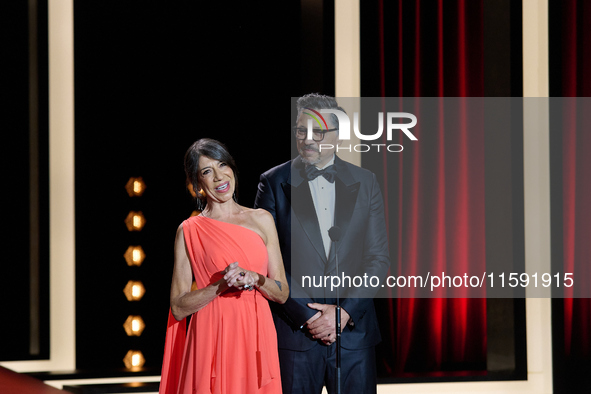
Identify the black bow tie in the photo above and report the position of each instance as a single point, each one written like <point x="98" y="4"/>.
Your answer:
<point x="329" y="173"/>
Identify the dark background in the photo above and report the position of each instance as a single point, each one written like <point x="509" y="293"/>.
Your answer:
<point x="16" y="189"/>
<point x="152" y="78"/>
<point x="16" y="140"/>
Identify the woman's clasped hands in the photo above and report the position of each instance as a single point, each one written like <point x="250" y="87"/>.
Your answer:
<point x="240" y="278"/>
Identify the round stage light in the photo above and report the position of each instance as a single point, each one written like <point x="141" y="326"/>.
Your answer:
<point x="134" y="360"/>
<point x="135" y="221"/>
<point x="134" y="255"/>
<point x="134" y="325"/>
<point x="135" y="186"/>
<point x="134" y="290"/>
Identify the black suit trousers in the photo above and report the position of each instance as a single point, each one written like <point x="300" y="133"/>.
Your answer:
<point x="305" y="372"/>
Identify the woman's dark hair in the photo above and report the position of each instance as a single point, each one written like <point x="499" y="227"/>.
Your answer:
<point x="214" y="150"/>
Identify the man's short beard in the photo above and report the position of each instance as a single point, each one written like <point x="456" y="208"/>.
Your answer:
<point x="309" y="161"/>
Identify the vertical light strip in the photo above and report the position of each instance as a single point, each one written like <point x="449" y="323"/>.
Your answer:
<point x="61" y="186"/>
<point x="347" y="66"/>
<point x="536" y="167"/>
<point x="61" y="193"/>
<point x="535" y="48"/>
<point x="347" y="45"/>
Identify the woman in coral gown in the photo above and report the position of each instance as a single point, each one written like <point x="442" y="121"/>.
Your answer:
<point x="232" y="252"/>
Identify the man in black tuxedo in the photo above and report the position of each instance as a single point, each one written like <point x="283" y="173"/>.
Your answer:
<point x="307" y="196"/>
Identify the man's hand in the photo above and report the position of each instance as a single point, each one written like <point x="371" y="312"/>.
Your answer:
<point x="322" y="325"/>
<point x="316" y="316"/>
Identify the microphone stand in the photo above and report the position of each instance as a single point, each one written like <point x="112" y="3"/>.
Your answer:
<point x="338" y="341"/>
<point x="335" y="235"/>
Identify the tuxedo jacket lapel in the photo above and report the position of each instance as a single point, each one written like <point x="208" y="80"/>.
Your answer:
<point x="298" y="192"/>
<point x="347" y="190"/>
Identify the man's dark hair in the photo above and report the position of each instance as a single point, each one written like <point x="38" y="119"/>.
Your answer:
<point x="319" y="101"/>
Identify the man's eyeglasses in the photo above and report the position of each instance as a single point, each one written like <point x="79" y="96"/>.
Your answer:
<point x="317" y="134"/>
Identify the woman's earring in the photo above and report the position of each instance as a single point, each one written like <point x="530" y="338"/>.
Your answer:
<point x="201" y="202"/>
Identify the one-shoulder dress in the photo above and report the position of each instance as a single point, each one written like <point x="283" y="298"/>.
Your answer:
<point x="230" y="345"/>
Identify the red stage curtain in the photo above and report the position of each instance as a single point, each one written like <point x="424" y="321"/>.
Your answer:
<point x="575" y="39"/>
<point x="434" y="48"/>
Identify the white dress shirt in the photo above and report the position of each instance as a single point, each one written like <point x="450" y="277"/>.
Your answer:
<point x="323" y="195"/>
